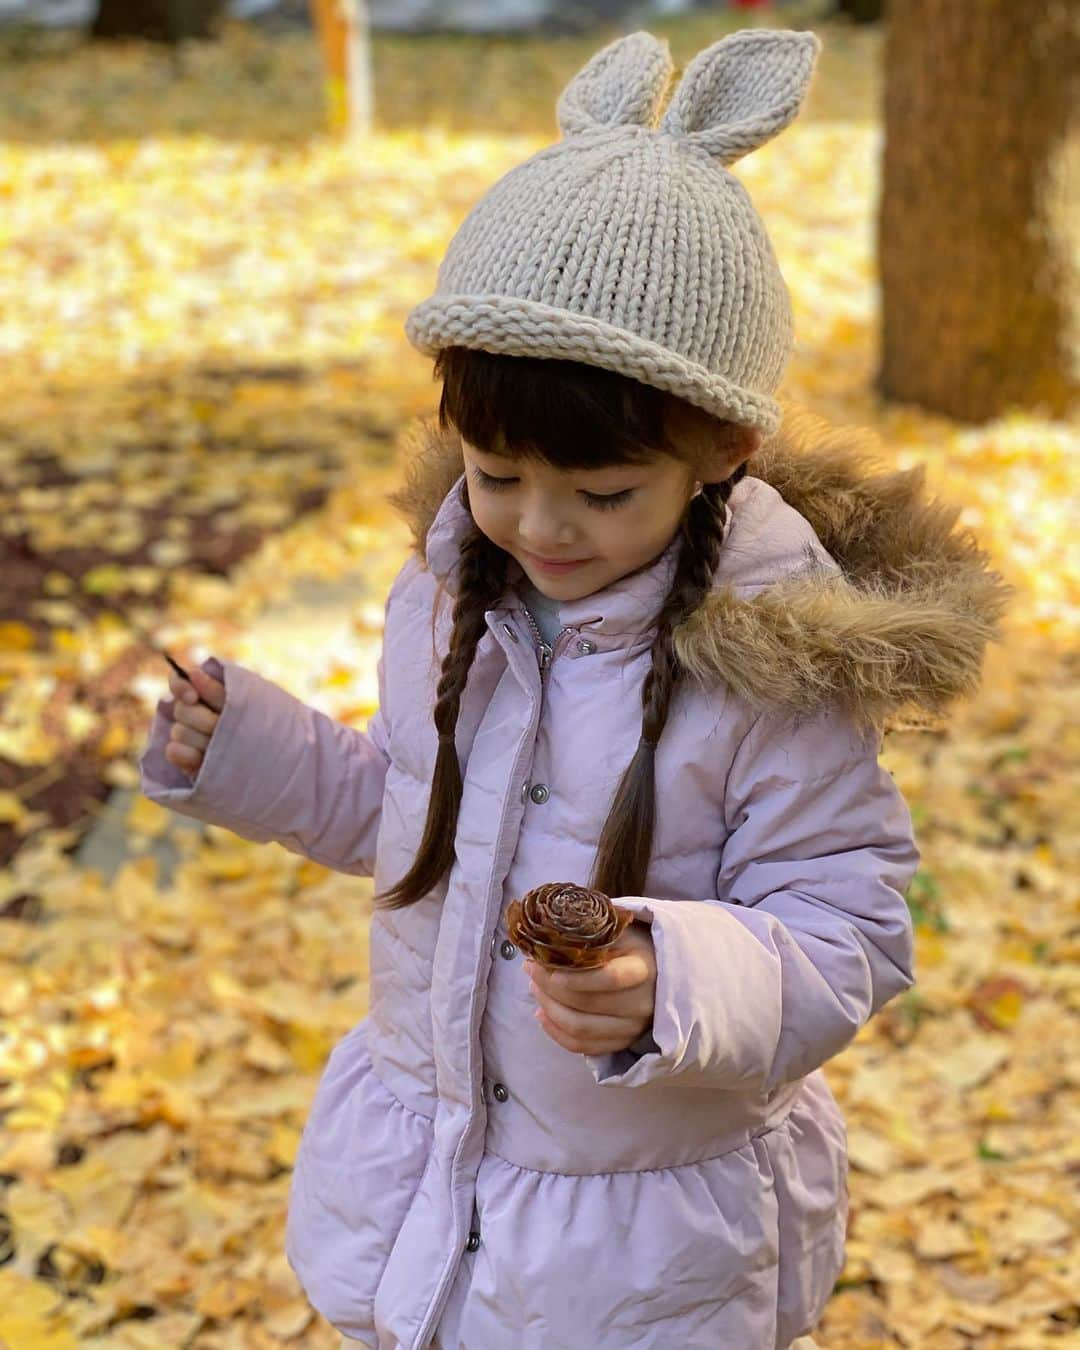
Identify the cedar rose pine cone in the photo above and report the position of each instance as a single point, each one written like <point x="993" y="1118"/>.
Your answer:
<point x="561" y="925"/>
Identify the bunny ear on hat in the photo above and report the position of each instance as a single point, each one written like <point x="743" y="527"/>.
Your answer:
<point x="623" y="84"/>
<point x="628" y="245"/>
<point x="740" y="92"/>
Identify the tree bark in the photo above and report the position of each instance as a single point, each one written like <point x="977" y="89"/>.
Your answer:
<point x="978" y="202"/>
<point x="861" y="11"/>
<point x="158" y="20"/>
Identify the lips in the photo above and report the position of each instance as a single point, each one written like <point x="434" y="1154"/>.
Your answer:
<point x="556" y="562"/>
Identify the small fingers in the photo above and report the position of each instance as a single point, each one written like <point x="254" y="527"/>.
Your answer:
<point x="195" y="716"/>
<point x="183" y="756"/>
<point x="184" y="735"/>
<point x="578" y="1046"/>
<point x="583" y="1029"/>
<point x="620" y="973"/>
<point x="603" y="990"/>
<point x="556" y="1033"/>
<point x="624" y="1003"/>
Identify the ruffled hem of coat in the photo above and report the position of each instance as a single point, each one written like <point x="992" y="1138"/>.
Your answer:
<point x="347" y="1203"/>
<point x="707" y="1269"/>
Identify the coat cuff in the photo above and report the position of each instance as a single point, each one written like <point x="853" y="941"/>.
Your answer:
<point x="223" y="776"/>
<point x="710" y="1029"/>
<point x="277" y="769"/>
<point x="644" y="1045"/>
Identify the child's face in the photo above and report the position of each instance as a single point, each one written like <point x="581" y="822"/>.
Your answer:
<point x="559" y="514"/>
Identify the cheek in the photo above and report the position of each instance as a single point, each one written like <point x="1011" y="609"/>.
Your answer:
<point x="638" y="532"/>
<point x="621" y="536"/>
<point x="489" y="516"/>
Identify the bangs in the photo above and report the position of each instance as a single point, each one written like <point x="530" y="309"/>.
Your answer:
<point x="565" y="413"/>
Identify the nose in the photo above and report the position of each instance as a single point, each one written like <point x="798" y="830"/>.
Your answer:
<point x="543" y="530"/>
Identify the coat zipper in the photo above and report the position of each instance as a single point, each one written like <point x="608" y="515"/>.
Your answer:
<point x="546" y="649"/>
<point x="436" y="1307"/>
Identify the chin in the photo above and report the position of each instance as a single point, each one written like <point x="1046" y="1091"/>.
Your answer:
<point x="563" y="588"/>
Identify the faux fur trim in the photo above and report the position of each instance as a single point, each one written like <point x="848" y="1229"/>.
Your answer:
<point x="897" y="636"/>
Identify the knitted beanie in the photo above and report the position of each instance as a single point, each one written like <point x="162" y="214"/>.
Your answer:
<point x="628" y="244"/>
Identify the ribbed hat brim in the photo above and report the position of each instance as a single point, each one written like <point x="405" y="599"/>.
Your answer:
<point x="515" y="327"/>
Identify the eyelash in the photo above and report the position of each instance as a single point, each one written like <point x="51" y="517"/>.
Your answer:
<point x="599" y="503"/>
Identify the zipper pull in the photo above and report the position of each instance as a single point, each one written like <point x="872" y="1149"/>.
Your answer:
<point x="545" y="656"/>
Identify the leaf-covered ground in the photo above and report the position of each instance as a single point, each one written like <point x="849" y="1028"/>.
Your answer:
<point x="201" y="301"/>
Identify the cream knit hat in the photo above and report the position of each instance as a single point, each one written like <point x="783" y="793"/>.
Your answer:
<point x="628" y="244"/>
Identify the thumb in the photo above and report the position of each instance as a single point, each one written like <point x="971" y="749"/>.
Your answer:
<point x="210" y="691"/>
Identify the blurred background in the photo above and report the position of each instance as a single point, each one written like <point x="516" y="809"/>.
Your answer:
<point x="213" y="220"/>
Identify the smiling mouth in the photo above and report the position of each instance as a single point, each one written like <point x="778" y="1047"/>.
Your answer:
<point x="554" y="562"/>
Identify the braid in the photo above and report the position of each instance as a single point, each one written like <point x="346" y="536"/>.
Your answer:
<point x="477" y="569"/>
<point x="625" y="847"/>
<point x="622" y="857"/>
<point x="482" y="574"/>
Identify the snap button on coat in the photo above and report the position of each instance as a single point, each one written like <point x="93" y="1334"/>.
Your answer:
<point x="473" y="1242"/>
<point x="539" y="793"/>
<point x="508" y="950"/>
<point x="585" y="646"/>
<point x="500" y="1092"/>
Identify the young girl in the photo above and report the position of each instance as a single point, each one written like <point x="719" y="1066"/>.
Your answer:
<point x="649" y="640"/>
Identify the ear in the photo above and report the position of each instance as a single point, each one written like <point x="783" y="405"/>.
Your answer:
<point x="622" y="84"/>
<point x="734" y="445"/>
<point x="738" y="93"/>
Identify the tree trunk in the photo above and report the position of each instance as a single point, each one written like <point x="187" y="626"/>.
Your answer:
<point x="978" y="293"/>
<point x="158" y="20"/>
<point x="861" y="11"/>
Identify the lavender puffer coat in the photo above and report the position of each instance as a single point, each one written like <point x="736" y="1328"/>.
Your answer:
<point x="465" y="1183"/>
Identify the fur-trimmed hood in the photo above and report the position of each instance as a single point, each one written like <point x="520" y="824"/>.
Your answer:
<point x="894" y="624"/>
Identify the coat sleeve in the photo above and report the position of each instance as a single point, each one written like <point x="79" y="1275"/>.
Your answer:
<point x="810" y="933"/>
<point x="278" y="769"/>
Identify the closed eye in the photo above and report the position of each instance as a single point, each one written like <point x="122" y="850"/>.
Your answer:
<point x="601" y="501"/>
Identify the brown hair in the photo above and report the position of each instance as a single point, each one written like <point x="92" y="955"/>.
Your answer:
<point x="572" y="416"/>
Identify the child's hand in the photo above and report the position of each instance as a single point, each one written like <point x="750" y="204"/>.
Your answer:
<point x="193" y="724"/>
<point x="596" y="1012"/>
